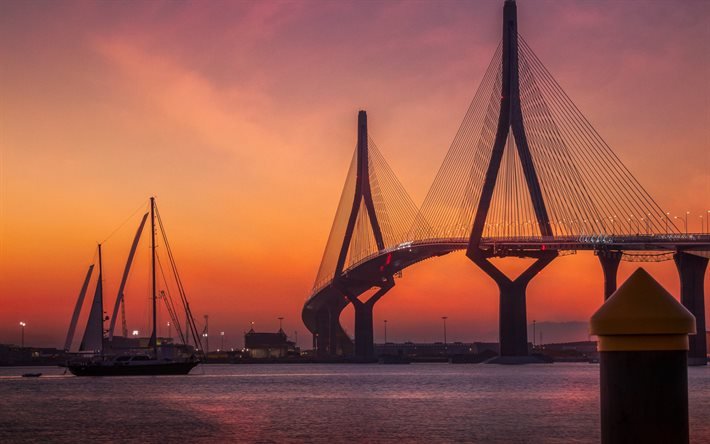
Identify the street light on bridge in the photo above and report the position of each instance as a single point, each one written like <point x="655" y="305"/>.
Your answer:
<point x="702" y="224"/>
<point x="685" y="221"/>
<point x="385" y="331"/>
<point x="648" y="220"/>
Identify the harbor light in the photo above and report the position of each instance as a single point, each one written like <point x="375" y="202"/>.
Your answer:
<point x="22" y="335"/>
<point x="135" y="332"/>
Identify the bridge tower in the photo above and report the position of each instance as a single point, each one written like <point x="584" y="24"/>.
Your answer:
<point x="513" y="314"/>
<point x="346" y="284"/>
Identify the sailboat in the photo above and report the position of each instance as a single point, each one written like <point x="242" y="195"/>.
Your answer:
<point x="101" y="353"/>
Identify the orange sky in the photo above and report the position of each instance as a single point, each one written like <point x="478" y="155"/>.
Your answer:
<point x="240" y="117"/>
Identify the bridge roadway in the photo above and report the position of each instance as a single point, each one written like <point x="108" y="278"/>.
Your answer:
<point x="322" y="310"/>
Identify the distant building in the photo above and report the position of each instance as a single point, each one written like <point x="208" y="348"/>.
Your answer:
<point x="268" y="345"/>
<point x="15" y="355"/>
<point x="570" y="351"/>
<point x="424" y="350"/>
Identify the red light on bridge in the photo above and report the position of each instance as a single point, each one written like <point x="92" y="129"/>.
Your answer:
<point x="543" y="248"/>
<point x="388" y="260"/>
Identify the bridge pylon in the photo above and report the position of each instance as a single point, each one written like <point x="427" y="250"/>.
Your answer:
<point x="513" y="314"/>
<point x="363" y="196"/>
<point x="331" y="340"/>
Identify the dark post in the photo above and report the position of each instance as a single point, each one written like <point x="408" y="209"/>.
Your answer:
<point x="609" y="261"/>
<point x="643" y="342"/>
<point x="691" y="269"/>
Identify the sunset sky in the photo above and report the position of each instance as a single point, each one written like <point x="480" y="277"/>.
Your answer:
<point x="240" y="117"/>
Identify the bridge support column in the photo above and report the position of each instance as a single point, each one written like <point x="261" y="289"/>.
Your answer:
<point x="364" y="326"/>
<point x="364" y="336"/>
<point x="610" y="266"/>
<point x="513" y="311"/>
<point x="691" y="269"/>
<point x="513" y="318"/>
<point x="328" y="327"/>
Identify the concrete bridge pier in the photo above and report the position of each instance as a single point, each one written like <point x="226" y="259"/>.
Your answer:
<point x="513" y="318"/>
<point x="513" y="311"/>
<point x="691" y="269"/>
<point x="609" y="261"/>
<point x="328" y="335"/>
<point x="364" y="326"/>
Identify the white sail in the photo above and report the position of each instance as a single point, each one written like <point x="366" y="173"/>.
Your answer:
<point x="77" y="309"/>
<point x="126" y="270"/>
<point x="94" y="334"/>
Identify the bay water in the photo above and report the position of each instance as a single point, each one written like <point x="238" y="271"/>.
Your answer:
<point x="320" y="403"/>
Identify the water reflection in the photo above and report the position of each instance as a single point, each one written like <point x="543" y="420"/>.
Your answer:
<point x="320" y="403"/>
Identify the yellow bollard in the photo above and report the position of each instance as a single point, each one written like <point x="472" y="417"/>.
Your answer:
<point x="643" y="347"/>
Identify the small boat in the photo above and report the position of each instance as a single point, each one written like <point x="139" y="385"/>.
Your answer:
<point x="96" y="352"/>
<point x="31" y="375"/>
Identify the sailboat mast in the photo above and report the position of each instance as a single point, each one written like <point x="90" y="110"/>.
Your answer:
<point x="152" y="272"/>
<point x="101" y="299"/>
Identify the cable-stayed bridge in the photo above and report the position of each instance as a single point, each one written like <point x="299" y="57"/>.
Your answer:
<point x="526" y="176"/>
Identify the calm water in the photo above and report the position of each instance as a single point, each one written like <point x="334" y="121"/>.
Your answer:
<point x="320" y="403"/>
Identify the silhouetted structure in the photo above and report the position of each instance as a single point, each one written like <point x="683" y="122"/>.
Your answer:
<point x="526" y="176"/>
<point x="268" y="345"/>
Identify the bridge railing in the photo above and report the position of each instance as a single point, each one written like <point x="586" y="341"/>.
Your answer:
<point x="557" y="242"/>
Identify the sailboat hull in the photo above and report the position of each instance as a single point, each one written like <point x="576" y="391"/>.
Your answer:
<point x="143" y="369"/>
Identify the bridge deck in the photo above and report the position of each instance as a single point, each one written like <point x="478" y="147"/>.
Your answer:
<point x="372" y="270"/>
